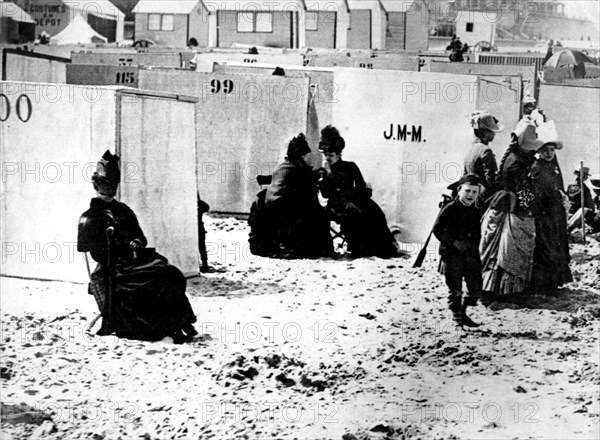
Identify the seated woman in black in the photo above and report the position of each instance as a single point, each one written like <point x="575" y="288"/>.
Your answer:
<point x="349" y="203"/>
<point x="144" y="296"/>
<point x="286" y="220"/>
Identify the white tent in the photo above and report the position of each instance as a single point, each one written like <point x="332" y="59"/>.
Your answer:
<point x="78" y="31"/>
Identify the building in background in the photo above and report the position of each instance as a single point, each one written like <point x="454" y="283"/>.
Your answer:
<point x="473" y="27"/>
<point x="517" y="19"/>
<point x="408" y="25"/>
<point x="53" y="16"/>
<point x="327" y="23"/>
<point x="257" y="23"/>
<point x="368" y="24"/>
<point x="172" y="23"/>
<point x="16" y="25"/>
<point x="126" y="7"/>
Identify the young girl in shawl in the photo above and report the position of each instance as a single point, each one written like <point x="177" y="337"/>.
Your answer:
<point x="551" y="255"/>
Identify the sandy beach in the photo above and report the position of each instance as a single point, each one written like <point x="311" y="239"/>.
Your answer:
<point x="307" y="349"/>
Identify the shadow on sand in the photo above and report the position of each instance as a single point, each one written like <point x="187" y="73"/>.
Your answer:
<point x="564" y="300"/>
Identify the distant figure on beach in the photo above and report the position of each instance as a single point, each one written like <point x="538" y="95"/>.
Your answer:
<point x="457" y="49"/>
<point x="549" y="52"/>
<point x="202" y="208"/>
<point x="574" y="191"/>
<point x="43" y="38"/>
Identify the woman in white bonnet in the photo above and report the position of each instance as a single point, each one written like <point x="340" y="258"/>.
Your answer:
<point x="551" y="256"/>
<point x="508" y="225"/>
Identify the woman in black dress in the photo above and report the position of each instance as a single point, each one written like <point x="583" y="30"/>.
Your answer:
<point x="551" y="255"/>
<point x="141" y="295"/>
<point x="362" y="221"/>
<point x="287" y="220"/>
<point x="508" y="226"/>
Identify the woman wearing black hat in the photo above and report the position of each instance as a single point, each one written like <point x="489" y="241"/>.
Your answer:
<point x="300" y="227"/>
<point x="143" y="296"/>
<point x="361" y="220"/>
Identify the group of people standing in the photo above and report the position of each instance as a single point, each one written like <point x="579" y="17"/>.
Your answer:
<point x="506" y="232"/>
<point x="287" y="220"/>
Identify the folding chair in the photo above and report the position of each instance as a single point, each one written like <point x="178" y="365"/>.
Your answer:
<point x="337" y="234"/>
<point x="266" y="179"/>
<point x="99" y="300"/>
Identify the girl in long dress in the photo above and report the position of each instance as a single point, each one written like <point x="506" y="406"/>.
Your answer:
<point x="551" y="256"/>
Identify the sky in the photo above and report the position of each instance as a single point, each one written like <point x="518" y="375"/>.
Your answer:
<point x="583" y="8"/>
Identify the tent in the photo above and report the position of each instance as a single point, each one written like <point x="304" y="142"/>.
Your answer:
<point x="78" y="31"/>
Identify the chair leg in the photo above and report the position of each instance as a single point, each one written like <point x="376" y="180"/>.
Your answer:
<point x="88" y="328"/>
<point x="337" y="234"/>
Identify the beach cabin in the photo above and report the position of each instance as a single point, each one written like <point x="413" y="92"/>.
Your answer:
<point x="256" y="23"/>
<point x="172" y="23"/>
<point x="368" y="23"/>
<point x="53" y="16"/>
<point x="327" y="23"/>
<point x="16" y="25"/>
<point x="407" y="26"/>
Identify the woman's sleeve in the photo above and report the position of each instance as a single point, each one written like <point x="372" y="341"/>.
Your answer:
<point x="133" y="227"/>
<point x="539" y="189"/>
<point x="359" y="181"/>
<point x="89" y="239"/>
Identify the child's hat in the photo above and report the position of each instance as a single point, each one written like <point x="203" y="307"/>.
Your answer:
<point x="470" y="179"/>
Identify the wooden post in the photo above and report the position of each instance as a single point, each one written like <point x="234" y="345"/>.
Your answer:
<point x="582" y="198"/>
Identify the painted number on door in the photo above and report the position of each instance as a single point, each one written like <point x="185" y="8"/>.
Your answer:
<point x="217" y="86"/>
<point x="125" y="77"/>
<point x="23" y="108"/>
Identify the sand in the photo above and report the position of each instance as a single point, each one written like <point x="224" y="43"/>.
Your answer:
<point x="336" y="349"/>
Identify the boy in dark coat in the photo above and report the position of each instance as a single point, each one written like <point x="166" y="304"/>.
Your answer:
<point x="458" y="230"/>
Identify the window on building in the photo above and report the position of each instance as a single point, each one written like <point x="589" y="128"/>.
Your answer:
<point x="263" y="22"/>
<point x="167" y="22"/>
<point x="254" y="21"/>
<point x="469" y="27"/>
<point x="160" y="22"/>
<point x="154" y="22"/>
<point x="312" y="21"/>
